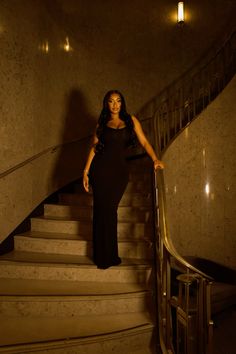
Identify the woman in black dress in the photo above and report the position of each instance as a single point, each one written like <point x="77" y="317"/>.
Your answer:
<point x="106" y="171"/>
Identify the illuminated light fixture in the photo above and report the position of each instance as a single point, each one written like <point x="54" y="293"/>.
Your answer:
<point x="44" y="47"/>
<point x="67" y="47"/>
<point x="180" y="12"/>
<point x="207" y="189"/>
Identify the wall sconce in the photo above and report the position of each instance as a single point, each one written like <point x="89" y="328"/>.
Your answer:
<point x="44" y="47"/>
<point x="207" y="189"/>
<point x="180" y="12"/>
<point x="67" y="47"/>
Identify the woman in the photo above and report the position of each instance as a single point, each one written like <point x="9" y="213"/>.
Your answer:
<point x="106" y="170"/>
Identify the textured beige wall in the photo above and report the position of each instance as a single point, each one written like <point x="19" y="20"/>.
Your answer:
<point x="136" y="46"/>
<point x="51" y="97"/>
<point x="42" y="105"/>
<point x="200" y="178"/>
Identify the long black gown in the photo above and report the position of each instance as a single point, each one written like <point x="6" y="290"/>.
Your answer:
<point x="108" y="177"/>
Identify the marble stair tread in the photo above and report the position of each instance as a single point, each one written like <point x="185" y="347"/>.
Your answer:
<point x="125" y="213"/>
<point x="82" y="245"/>
<point x="84" y="221"/>
<point x="35" y="330"/>
<point x="134" y="199"/>
<point x="73" y="237"/>
<point x="88" y="208"/>
<point x="37" y="287"/>
<point x="132" y="182"/>
<point x="53" y="235"/>
<point x="78" y="227"/>
<point x="24" y="257"/>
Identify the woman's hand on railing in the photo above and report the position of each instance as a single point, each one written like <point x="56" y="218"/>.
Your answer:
<point x="86" y="181"/>
<point x="158" y="165"/>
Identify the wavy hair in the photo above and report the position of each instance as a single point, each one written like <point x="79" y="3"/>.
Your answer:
<point x="105" y="117"/>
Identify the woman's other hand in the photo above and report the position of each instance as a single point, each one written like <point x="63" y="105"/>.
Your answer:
<point x="158" y="165"/>
<point x="86" y="182"/>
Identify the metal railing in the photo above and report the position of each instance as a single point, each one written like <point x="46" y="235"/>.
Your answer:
<point x="183" y="291"/>
<point x="49" y="150"/>
<point x="180" y="103"/>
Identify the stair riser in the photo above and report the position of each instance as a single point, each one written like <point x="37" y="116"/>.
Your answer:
<point x="62" y="226"/>
<point x="77" y="273"/>
<point x="70" y="247"/>
<point x="72" y="306"/>
<point x="141" y="341"/>
<point x="135" y="200"/>
<point x="138" y="186"/>
<point x="75" y="212"/>
<point x="125" y="230"/>
<point x="136" y="175"/>
<point x="80" y="247"/>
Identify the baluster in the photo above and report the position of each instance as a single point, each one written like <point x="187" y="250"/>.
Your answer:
<point x="187" y="314"/>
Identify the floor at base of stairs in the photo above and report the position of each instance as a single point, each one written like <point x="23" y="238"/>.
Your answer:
<point x="27" y="330"/>
<point x="224" y="339"/>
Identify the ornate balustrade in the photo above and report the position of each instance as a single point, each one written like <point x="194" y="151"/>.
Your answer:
<point x="181" y="102"/>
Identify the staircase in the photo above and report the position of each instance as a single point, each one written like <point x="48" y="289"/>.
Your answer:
<point x="55" y="300"/>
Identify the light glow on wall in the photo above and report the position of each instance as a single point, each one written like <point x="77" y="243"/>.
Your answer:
<point x="44" y="47"/>
<point x="207" y="189"/>
<point x="180" y="12"/>
<point x="204" y="157"/>
<point x="67" y="47"/>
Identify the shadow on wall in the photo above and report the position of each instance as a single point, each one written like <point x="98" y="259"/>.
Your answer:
<point x="78" y="125"/>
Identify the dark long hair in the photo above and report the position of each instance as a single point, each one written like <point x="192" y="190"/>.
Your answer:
<point x="105" y="117"/>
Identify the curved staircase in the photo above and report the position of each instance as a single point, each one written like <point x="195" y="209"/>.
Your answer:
<point x="55" y="300"/>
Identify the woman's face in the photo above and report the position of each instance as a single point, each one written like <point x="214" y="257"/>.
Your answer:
<point x="114" y="103"/>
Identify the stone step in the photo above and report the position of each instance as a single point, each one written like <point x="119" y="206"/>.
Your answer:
<point x="140" y="163"/>
<point x="130" y="214"/>
<point x="100" y="334"/>
<point x="141" y="166"/>
<point x="32" y="265"/>
<point x="132" y="187"/>
<point x="140" y="174"/>
<point x="138" y="186"/>
<point x="84" y="228"/>
<point x="45" y="244"/>
<point x="66" y="306"/>
<point x="37" y="287"/>
<point x="38" y="298"/>
<point x="86" y="199"/>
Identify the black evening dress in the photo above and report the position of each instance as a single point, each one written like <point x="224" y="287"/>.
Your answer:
<point x="108" y="177"/>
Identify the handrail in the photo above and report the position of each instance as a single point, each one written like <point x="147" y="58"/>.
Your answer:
<point x="161" y="200"/>
<point x="164" y="118"/>
<point x="51" y="150"/>
<point x="166" y="253"/>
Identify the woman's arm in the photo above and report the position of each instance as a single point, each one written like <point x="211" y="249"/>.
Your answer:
<point x="145" y="143"/>
<point x="88" y="164"/>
